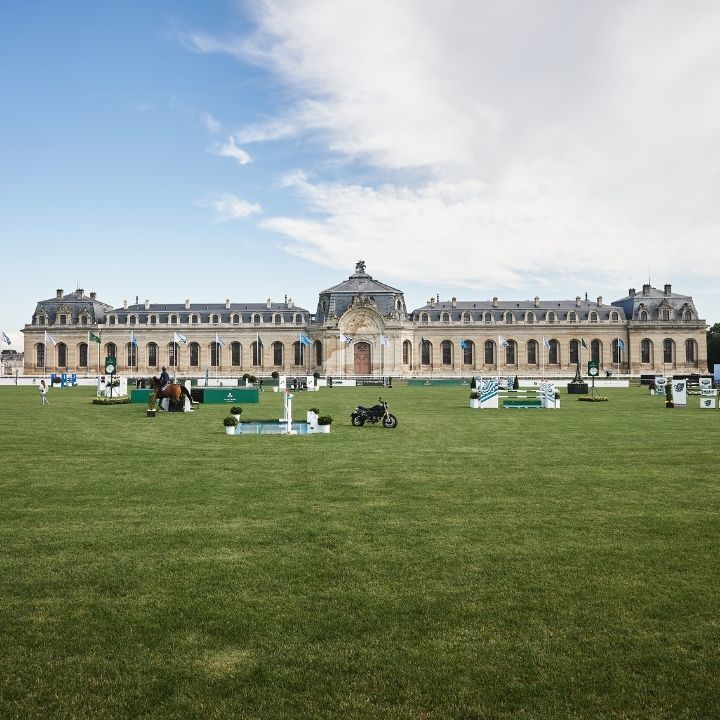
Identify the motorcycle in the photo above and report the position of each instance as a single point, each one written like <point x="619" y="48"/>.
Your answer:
<point x="376" y="413"/>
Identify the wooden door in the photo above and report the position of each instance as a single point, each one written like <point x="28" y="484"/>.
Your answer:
<point x="362" y="358"/>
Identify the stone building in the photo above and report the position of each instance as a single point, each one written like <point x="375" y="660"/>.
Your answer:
<point x="362" y="327"/>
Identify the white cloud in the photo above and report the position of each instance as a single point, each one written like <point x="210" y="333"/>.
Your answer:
<point x="230" y="207"/>
<point x="210" y="123"/>
<point x="522" y="146"/>
<point x="230" y="150"/>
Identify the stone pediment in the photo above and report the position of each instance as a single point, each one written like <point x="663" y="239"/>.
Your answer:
<point x="361" y="319"/>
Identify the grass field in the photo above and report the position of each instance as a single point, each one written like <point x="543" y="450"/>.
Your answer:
<point x="468" y="564"/>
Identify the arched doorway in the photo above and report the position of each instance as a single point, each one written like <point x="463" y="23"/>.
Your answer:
<point x="362" y="358"/>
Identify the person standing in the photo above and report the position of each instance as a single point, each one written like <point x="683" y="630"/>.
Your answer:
<point x="43" y="393"/>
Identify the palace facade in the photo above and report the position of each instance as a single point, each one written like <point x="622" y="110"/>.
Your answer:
<point x="362" y="327"/>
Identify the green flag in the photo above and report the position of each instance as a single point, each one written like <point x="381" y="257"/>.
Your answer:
<point x="92" y="337"/>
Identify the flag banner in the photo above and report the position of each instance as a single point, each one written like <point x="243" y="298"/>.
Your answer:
<point x="92" y="337"/>
<point x="463" y="344"/>
<point x="345" y="338"/>
<point x="584" y="344"/>
<point x="50" y="338"/>
<point x="305" y="340"/>
<point x="546" y="342"/>
<point x="621" y="345"/>
<point x="679" y="392"/>
<point x="220" y="342"/>
<point x="178" y="338"/>
<point x="258" y="340"/>
<point x="503" y="341"/>
<point x="6" y="338"/>
<point x="133" y="339"/>
<point x="384" y="341"/>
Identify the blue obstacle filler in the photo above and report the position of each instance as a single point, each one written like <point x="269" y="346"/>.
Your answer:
<point x="272" y="427"/>
<point x="493" y="397"/>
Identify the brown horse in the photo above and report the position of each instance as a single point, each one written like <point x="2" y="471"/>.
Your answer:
<point x="172" y="391"/>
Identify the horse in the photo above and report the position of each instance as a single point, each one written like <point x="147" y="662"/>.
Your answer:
<point x="173" y="392"/>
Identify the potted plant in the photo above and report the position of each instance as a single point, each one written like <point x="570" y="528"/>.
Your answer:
<point x="275" y="375"/>
<point x="236" y="411"/>
<point x="324" y="422"/>
<point x="474" y="399"/>
<point x="557" y="399"/>
<point x="151" y="407"/>
<point x="668" y="396"/>
<point x="230" y="424"/>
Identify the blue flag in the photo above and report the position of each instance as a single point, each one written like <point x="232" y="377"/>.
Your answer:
<point x="345" y="338"/>
<point x="6" y="338"/>
<point x="133" y="339"/>
<point x="305" y="340"/>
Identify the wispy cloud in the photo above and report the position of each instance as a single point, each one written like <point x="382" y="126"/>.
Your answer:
<point x="230" y="150"/>
<point x="210" y="123"/>
<point x="229" y="207"/>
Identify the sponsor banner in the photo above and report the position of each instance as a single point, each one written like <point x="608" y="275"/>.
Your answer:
<point x="679" y="392"/>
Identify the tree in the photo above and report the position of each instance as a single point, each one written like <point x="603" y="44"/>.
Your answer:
<point x="713" y="346"/>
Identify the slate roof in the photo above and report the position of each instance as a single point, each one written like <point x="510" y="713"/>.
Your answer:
<point x="74" y="304"/>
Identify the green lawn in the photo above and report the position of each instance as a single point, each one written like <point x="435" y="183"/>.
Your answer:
<point x="468" y="564"/>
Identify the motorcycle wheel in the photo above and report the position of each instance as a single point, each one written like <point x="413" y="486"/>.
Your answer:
<point x="357" y="421"/>
<point x="390" y="421"/>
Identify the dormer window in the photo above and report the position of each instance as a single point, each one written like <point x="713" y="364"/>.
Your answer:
<point x="256" y="319"/>
<point x="215" y="319"/>
<point x="572" y="317"/>
<point x="550" y="317"/>
<point x="487" y="317"/>
<point x="194" y="319"/>
<point x="445" y="317"/>
<point x="466" y="318"/>
<point x="593" y="317"/>
<point x="424" y="317"/>
<point x="530" y="317"/>
<point x="298" y="319"/>
<point x="665" y="315"/>
<point x="614" y="317"/>
<point x="509" y="318"/>
<point x="643" y="316"/>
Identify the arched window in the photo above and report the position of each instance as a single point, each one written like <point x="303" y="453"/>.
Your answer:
<point x="152" y="354"/>
<point x="551" y="317"/>
<point x="194" y="354"/>
<point x="256" y="319"/>
<point x="509" y="318"/>
<point x="215" y="354"/>
<point x="278" y="350"/>
<point x="318" y="353"/>
<point x="257" y="352"/>
<point x="132" y="320"/>
<point x="487" y="317"/>
<point x="574" y="352"/>
<point x="62" y="355"/>
<point x="277" y="319"/>
<point x="425" y="352"/>
<point x="445" y="317"/>
<point x="510" y="352"/>
<point x="572" y="317"/>
<point x="446" y="352"/>
<point x="593" y="317"/>
<point x="596" y="351"/>
<point x="466" y="317"/>
<point x="83" y="355"/>
<point x="646" y="348"/>
<point x="235" y="319"/>
<point x="424" y="317"/>
<point x="235" y="354"/>
<point x="173" y="354"/>
<point x="665" y="315"/>
<point x="530" y="317"/>
<point x="489" y="352"/>
<point x="554" y="353"/>
<point x="131" y="355"/>
<point x="532" y="354"/>
<point x="215" y="319"/>
<point x="614" y="316"/>
<point x="690" y="351"/>
<point x="40" y="355"/>
<point x="194" y="319"/>
<point x="618" y="350"/>
<point x="173" y="319"/>
<point x="298" y="353"/>
<point x="643" y="316"/>
<point x="83" y="320"/>
<point x="152" y="319"/>
<point x="668" y="351"/>
<point x="687" y="316"/>
<point x="111" y="350"/>
<point x="468" y="352"/>
<point x="112" y="320"/>
<point x="407" y="353"/>
<point x="299" y="319"/>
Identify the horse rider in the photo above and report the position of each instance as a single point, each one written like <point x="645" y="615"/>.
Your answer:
<point x="164" y="379"/>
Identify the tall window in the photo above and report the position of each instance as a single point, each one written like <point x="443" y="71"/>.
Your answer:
<point x="40" y="355"/>
<point x="510" y="352"/>
<point x="509" y="318"/>
<point x="425" y="352"/>
<point x="318" y="353"/>
<point x="487" y="317"/>
<point x="532" y="348"/>
<point x="617" y="351"/>
<point x="469" y="353"/>
<point x="530" y="317"/>
<point x="62" y="355"/>
<point x="645" y="351"/>
<point x="111" y="350"/>
<point x="152" y="354"/>
<point x="445" y="317"/>
<point x="643" y="316"/>
<point x="668" y="351"/>
<point x="215" y="354"/>
<point x="489" y="352"/>
<point x="298" y="353"/>
<point x="131" y="354"/>
<point x="574" y="352"/>
<point x="407" y="352"/>
<point x="614" y="317"/>
<point x="194" y="354"/>
<point x="595" y="351"/>
<point x="550" y="317"/>
<point x="593" y="317"/>
<point x="554" y="353"/>
<point x="277" y="348"/>
<point x="173" y="354"/>
<point x="687" y="317"/>
<point x="424" y="317"/>
<point x="665" y="314"/>
<point x="235" y="354"/>
<point x="690" y="350"/>
<point x="466" y="317"/>
<point x="446" y="352"/>
<point x="83" y="355"/>
<point x="257" y="352"/>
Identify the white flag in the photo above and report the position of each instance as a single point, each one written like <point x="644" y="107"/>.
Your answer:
<point x="384" y="341"/>
<point x="503" y="341"/>
<point x="220" y="342"/>
<point x="345" y="338"/>
<point x="50" y="338"/>
<point x="180" y="338"/>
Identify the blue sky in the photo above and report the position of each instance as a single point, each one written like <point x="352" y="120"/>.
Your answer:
<point x="208" y="149"/>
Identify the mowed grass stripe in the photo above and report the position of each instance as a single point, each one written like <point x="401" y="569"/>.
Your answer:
<point x="509" y="563"/>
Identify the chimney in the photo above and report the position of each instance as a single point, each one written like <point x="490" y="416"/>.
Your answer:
<point x="668" y="289"/>
<point x="124" y="304"/>
<point x="227" y="303"/>
<point x="631" y="292"/>
<point x="58" y="293"/>
<point x="286" y="298"/>
<point x="599" y="300"/>
<point x="537" y="301"/>
<point x="454" y="302"/>
<point x="80" y="292"/>
<point x="268" y="304"/>
<point x="93" y="295"/>
<point x="147" y="304"/>
<point x="494" y="302"/>
<point x="577" y="301"/>
<point x="187" y="303"/>
<point x="437" y="297"/>
<point x="137" y="299"/>
<point x="646" y="289"/>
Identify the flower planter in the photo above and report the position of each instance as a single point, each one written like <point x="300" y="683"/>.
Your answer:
<point x="475" y="404"/>
<point x="323" y="428"/>
<point x="150" y="413"/>
<point x="230" y="429"/>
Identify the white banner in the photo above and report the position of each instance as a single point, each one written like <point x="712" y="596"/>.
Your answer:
<point x="679" y="392"/>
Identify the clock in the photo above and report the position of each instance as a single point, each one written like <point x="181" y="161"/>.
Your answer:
<point x="110" y="368"/>
<point x="110" y="364"/>
<point x="593" y="368"/>
<point x="593" y="371"/>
